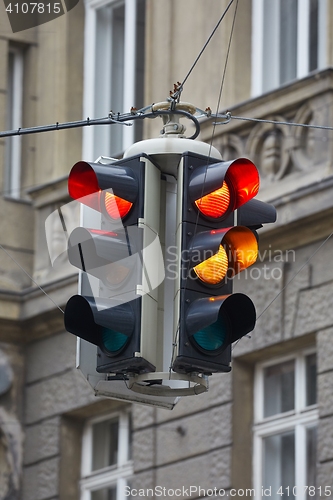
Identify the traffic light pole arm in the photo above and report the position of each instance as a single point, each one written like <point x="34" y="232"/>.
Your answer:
<point x="112" y="119"/>
<point x="61" y="126"/>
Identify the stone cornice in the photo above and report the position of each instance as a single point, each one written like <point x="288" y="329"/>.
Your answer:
<point x="50" y="192"/>
<point x="30" y="314"/>
<point x="275" y="101"/>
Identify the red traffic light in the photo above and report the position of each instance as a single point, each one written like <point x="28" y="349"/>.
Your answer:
<point x="109" y="189"/>
<point x="220" y="188"/>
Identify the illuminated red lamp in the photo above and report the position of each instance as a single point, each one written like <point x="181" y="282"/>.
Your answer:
<point x="237" y="182"/>
<point x="115" y="206"/>
<point x="82" y="181"/>
<point x="216" y="203"/>
<point x="89" y="184"/>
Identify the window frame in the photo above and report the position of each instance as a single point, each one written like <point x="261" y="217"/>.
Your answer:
<point x="129" y="89"/>
<point x="14" y="119"/>
<point x="302" y="66"/>
<point x="113" y="475"/>
<point x="299" y="419"/>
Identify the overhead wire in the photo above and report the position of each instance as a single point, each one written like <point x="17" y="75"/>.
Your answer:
<point x="29" y="276"/>
<point x="277" y="122"/>
<point x="176" y="95"/>
<point x="108" y="120"/>
<point x="119" y="119"/>
<point x="296" y="274"/>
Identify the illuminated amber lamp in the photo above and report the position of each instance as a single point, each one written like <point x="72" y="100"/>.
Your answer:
<point x="237" y="251"/>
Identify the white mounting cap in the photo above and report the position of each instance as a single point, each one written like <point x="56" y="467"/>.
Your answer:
<point x="167" y="151"/>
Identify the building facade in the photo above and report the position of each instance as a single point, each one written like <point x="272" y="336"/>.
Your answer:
<point x="266" y="428"/>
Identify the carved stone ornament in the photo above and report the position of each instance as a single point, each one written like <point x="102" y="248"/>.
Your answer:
<point x="11" y="438"/>
<point x="311" y="144"/>
<point x="230" y="146"/>
<point x="268" y="146"/>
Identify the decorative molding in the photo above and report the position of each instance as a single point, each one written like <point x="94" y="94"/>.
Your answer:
<point x="268" y="146"/>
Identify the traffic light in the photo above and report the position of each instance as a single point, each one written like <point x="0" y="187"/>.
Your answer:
<point x="121" y="261"/>
<point x="115" y="190"/>
<point x="213" y="197"/>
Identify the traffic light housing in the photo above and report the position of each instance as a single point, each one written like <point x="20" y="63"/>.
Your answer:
<point x="119" y="313"/>
<point x="212" y="191"/>
<point x="116" y="190"/>
<point x="213" y="196"/>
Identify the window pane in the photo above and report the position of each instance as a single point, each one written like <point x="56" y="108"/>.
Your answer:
<point x="14" y="120"/>
<point x="9" y="124"/>
<point x="140" y="62"/>
<point x="10" y="89"/>
<point x="109" y="493"/>
<point x="288" y="40"/>
<point x="279" y="388"/>
<point x="311" y="380"/>
<point x="105" y="444"/>
<point x="311" y="456"/>
<point x="109" y="79"/>
<point x="130" y="437"/>
<point x="279" y="464"/>
<point x="313" y="35"/>
<point x="117" y="72"/>
<point x="270" y="45"/>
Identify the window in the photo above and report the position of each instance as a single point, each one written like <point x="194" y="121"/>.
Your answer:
<point x="288" y="41"/>
<point x="106" y="457"/>
<point x="285" y="427"/>
<point x="114" y="70"/>
<point x="12" y="181"/>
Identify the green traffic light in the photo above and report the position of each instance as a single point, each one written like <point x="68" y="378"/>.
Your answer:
<point x="213" y="336"/>
<point x="214" y="323"/>
<point x="112" y="340"/>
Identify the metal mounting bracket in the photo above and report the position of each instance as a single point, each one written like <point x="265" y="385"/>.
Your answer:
<point x="155" y="384"/>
